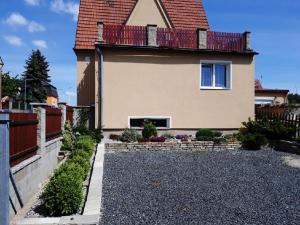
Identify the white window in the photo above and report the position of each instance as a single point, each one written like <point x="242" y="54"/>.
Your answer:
<point x="159" y="122"/>
<point x="215" y="75"/>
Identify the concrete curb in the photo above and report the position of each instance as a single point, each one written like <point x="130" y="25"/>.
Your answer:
<point x="91" y="212"/>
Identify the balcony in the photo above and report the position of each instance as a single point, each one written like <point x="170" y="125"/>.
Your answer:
<point x="142" y="36"/>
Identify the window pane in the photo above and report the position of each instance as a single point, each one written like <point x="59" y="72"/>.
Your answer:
<point x="139" y="122"/>
<point x="207" y="75"/>
<point x="221" y="80"/>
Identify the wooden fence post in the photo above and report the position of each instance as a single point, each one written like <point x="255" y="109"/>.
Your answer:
<point x="4" y="169"/>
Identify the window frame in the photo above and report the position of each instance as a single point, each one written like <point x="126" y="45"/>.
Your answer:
<point x="168" y="118"/>
<point x="228" y="65"/>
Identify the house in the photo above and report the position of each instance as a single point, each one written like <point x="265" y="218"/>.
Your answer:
<point x="264" y="96"/>
<point x="52" y="96"/>
<point x="159" y="60"/>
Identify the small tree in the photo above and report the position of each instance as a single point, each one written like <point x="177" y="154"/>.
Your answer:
<point x="10" y="85"/>
<point x="36" y="75"/>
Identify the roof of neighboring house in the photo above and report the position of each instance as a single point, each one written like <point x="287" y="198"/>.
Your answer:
<point x="51" y="90"/>
<point x="183" y="14"/>
<point x="259" y="89"/>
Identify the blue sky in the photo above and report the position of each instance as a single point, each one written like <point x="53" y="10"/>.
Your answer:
<point x="50" y="25"/>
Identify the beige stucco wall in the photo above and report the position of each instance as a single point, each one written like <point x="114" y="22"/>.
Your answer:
<point x="85" y="77"/>
<point x="136" y="83"/>
<point x="147" y="12"/>
<point x="280" y="98"/>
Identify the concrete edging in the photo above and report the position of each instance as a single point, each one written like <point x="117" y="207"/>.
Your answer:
<point x="91" y="212"/>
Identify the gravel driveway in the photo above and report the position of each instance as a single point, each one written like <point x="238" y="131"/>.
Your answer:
<point x="207" y="188"/>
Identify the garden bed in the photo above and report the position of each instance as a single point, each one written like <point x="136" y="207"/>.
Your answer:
<point x="37" y="210"/>
<point x="173" y="146"/>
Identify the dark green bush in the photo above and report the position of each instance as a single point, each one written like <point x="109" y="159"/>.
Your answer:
<point x="97" y="135"/>
<point x="130" y="135"/>
<point x="271" y="129"/>
<point x="83" y="162"/>
<point x="63" y="195"/>
<point x="149" y="130"/>
<point x="68" y="141"/>
<point x="205" y="135"/>
<point x="70" y="168"/>
<point x="253" y="141"/>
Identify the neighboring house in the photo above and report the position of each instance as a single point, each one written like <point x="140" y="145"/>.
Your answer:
<point x="52" y="96"/>
<point x="159" y="60"/>
<point x="264" y="96"/>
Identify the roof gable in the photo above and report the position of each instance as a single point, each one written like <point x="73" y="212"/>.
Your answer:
<point x="183" y="14"/>
<point x="148" y="12"/>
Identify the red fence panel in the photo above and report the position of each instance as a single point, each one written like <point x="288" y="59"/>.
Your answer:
<point x="70" y="111"/>
<point x="22" y="136"/>
<point x="125" y="35"/>
<point x="176" y="38"/>
<point x="53" y="123"/>
<point x="226" y="41"/>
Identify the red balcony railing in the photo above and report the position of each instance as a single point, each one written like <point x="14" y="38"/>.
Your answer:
<point x="226" y="41"/>
<point x="173" y="38"/>
<point x="125" y="35"/>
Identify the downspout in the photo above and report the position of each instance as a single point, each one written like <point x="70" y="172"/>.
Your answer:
<point x="100" y="89"/>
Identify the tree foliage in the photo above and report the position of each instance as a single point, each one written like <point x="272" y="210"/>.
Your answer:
<point x="10" y="85"/>
<point x="294" y="98"/>
<point x="36" y="75"/>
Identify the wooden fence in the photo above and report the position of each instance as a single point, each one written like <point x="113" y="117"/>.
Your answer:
<point x="53" y="123"/>
<point x="288" y="119"/>
<point x="125" y="35"/>
<point x="69" y="115"/>
<point x="279" y="109"/>
<point x="176" y="38"/>
<point x="226" y="41"/>
<point x="173" y="38"/>
<point x="22" y="136"/>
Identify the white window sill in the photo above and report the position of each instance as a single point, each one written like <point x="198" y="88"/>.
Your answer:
<point x="214" y="88"/>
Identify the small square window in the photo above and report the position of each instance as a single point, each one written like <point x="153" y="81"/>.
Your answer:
<point x="215" y="75"/>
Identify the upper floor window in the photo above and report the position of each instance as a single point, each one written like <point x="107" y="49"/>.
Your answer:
<point x="215" y="75"/>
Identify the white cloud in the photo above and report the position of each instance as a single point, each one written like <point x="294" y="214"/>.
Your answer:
<point x="40" y="43"/>
<point x="70" y="93"/>
<point x="60" y="6"/>
<point x="16" y="19"/>
<point x="13" y="40"/>
<point x="34" y="27"/>
<point x="32" y="2"/>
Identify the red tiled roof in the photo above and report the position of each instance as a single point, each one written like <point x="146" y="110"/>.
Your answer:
<point x="183" y="14"/>
<point x="258" y="85"/>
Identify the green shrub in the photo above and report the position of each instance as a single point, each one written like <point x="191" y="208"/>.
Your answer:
<point x="271" y="129"/>
<point x="205" y="135"/>
<point x="63" y="195"/>
<point x="149" y="130"/>
<point x="253" y="141"/>
<point x="68" y="141"/>
<point x="82" y="153"/>
<point x="85" y="143"/>
<point x="168" y="135"/>
<point x="97" y="135"/>
<point x="231" y="137"/>
<point x="130" y="135"/>
<point x="71" y="168"/>
<point x="83" y="162"/>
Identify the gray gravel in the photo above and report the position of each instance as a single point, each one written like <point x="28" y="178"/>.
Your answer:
<point x="207" y="188"/>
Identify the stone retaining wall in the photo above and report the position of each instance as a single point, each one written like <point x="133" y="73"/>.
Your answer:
<point x="173" y="146"/>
